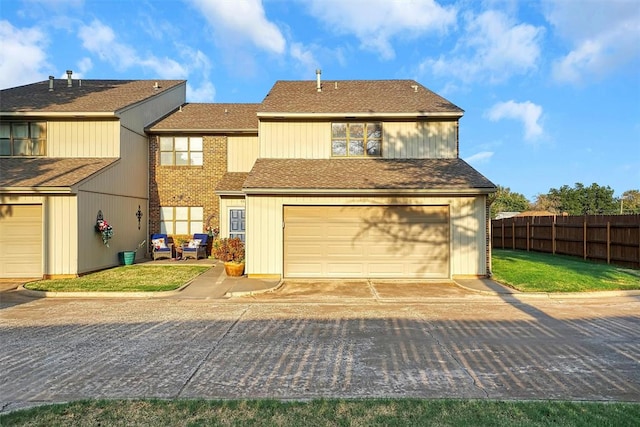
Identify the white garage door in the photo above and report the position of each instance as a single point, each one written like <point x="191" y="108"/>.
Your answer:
<point x="20" y="241"/>
<point x="366" y="241"/>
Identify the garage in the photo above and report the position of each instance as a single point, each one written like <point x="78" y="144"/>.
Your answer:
<point x="20" y="241"/>
<point x="366" y="241"/>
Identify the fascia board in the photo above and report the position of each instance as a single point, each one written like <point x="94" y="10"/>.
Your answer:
<point x="361" y="115"/>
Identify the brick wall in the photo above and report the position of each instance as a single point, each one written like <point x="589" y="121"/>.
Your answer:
<point x="187" y="185"/>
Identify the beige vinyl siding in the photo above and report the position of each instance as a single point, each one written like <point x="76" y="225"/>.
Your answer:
<point x="83" y="138"/>
<point x="312" y="140"/>
<point x="419" y="140"/>
<point x="142" y="114"/>
<point x="227" y="202"/>
<point x="129" y="175"/>
<point x="242" y="152"/>
<point x="61" y="242"/>
<point x="265" y="234"/>
<point x="120" y="213"/>
<point x="295" y="140"/>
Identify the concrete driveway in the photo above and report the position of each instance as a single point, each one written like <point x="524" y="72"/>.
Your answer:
<point x="462" y="345"/>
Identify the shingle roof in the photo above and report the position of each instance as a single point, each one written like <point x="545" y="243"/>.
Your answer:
<point x="83" y="96"/>
<point x="48" y="172"/>
<point x="232" y="181"/>
<point x="355" y="96"/>
<point x="210" y="117"/>
<point x="365" y="174"/>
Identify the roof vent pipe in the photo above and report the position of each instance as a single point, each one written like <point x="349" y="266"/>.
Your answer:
<point x="69" y="72"/>
<point x="318" y="83"/>
<point x="50" y="83"/>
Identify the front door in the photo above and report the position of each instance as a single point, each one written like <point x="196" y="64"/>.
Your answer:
<point x="236" y="223"/>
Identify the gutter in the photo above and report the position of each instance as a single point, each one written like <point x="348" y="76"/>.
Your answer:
<point x="72" y="114"/>
<point x="203" y="131"/>
<point x="37" y="190"/>
<point x="375" y="191"/>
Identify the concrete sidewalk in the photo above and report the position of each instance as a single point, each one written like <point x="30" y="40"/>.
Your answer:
<point x="215" y="284"/>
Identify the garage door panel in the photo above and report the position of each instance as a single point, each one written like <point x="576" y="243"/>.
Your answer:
<point x="368" y="241"/>
<point x="21" y="241"/>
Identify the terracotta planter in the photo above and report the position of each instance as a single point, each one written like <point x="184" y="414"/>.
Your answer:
<point x="234" y="269"/>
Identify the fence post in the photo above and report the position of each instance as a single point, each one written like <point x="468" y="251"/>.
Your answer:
<point x="608" y="242"/>
<point x="513" y="235"/>
<point x="553" y="235"/>
<point x="528" y="236"/>
<point x="584" y="238"/>
<point x="502" y="236"/>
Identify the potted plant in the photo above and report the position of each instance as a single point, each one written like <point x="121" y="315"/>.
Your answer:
<point x="231" y="252"/>
<point x="128" y="257"/>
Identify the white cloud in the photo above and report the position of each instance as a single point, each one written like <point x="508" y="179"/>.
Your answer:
<point x="242" y="20"/>
<point x="206" y="92"/>
<point x="305" y="58"/>
<point x="493" y="49"/>
<point x="481" y="157"/>
<point x="376" y="22"/>
<point x="605" y="41"/>
<point x="22" y="57"/>
<point x="100" y="39"/>
<point x="526" y="112"/>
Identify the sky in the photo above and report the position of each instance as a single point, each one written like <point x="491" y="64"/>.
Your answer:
<point x="550" y="88"/>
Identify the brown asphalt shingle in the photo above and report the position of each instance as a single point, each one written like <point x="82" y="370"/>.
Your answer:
<point x="47" y="171"/>
<point x="232" y="181"/>
<point x="87" y="96"/>
<point x="210" y="117"/>
<point x="355" y="96"/>
<point x="365" y="174"/>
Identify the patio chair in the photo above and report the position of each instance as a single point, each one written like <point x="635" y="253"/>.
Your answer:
<point x="160" y="246"/>
<point x="196" y="247"/>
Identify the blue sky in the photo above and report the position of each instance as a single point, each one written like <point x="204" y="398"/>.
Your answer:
<point x="550" y="88"/>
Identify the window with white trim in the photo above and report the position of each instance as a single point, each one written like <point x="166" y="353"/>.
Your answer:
<point x="181" y="219"/>
<point x="356" y="139"/>
<point x="23" y="138"/>
<point x="181" y="151"/>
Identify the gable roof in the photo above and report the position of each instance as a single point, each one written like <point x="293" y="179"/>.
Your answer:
<point x="85" y="96"/>
<point x="365" y="175"/>
<point x="21" y="172"/>
<point x="356" y="97"/>
<point x="209" y="117"/>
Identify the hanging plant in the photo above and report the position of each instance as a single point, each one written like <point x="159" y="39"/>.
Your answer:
<point x="105" y="230"/>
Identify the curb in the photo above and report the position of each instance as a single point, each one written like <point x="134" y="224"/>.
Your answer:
<point x="233" y="294"/>
<point x="553" y="295"/>
<point x="133" y="295"/>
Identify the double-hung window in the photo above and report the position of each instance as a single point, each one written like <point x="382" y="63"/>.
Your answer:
<point x="356" y="139"/>
<point x="181" y="219"/>
<point x="23" y="138"/>
<point x="181" y="150"/>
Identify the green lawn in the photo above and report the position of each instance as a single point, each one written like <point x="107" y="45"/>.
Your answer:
<point x="130" y="278"/>
<point x="335" y="412"/>
<point x="540" y="272"/>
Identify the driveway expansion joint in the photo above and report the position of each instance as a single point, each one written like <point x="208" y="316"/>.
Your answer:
<point x="213" y="348"/>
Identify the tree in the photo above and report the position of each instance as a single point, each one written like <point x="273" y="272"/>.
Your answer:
<point x="504" y="200"/>
<point x="579" y="200"/>
<point x="630" y="202"/>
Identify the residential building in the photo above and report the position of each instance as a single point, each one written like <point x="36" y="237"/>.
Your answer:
<point x="72" y="151"/>
<point x="322" y="179"/>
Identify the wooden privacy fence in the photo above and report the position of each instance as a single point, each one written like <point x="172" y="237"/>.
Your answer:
<point x="614" y="239"/>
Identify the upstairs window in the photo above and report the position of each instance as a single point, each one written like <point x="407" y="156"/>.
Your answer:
<point x="181" y="150"/>
<point x="356" y="139"/>
<point x="23" y="138"/>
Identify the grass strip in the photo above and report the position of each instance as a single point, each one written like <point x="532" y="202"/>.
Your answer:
<point x="129" y="278"/>
<point x="541" y="272"/>
<point x="331" y="412"/>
